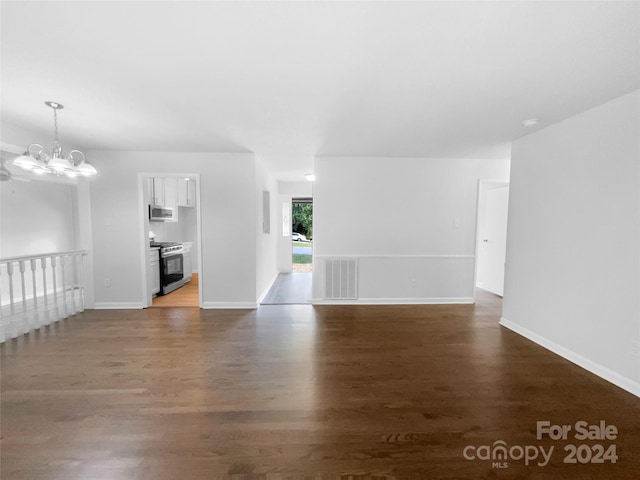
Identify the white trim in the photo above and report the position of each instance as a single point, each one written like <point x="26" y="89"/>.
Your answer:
<point x="230" y="305"/>
<point x="589" y="365"/>
<point x="143" y="241"/>
<point x="118" y="305"/>
<point x="396" y="301"/>
<point x="199" y="235"/>
<point x="390" y="255"/>
<point x="38" y="256"/>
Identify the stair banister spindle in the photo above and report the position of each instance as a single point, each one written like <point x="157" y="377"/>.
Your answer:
<point x="72" y="280"/>
<point x="64" y="287"/>
<point x="47" y="313"/>
<point x="12" y="303"/>
<point x="35" y="318"/>
<point x="55" y="288"/>
<point x="13" y="325"/>
<point x="25" y="319"/>
<point x="80" y="259"/>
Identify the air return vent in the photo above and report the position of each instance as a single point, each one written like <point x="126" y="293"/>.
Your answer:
<point x="340" y="277"/>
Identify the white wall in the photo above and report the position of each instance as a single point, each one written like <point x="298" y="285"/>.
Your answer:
<point x="266" y="243"/>
<point x="189" y="232"/>
<point x="573" y="252"/>
<point x="37" y="217"/>
<point x="296" y="189"/>
<point x="410" y="223"/>
<point x="228" y="206"/>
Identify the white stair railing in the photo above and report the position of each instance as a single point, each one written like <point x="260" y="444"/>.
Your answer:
<point x="52" y="291"/>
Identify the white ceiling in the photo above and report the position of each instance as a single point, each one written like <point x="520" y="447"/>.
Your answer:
<point x="290" y="80"/>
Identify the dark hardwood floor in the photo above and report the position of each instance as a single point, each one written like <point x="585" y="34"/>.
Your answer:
<point x="298" y="392"/>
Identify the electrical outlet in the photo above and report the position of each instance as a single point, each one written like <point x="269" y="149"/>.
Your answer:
<point x="413" y="283"/>
<point x="636" y="348"/>
<point x="107" y="282"/>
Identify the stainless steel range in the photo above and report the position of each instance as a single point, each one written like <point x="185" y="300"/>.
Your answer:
<point x="171" y="266"/>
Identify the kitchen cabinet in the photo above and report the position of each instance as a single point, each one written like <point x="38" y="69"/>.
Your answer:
<point x="156" y="191"/>
<point x="170" y="192"/>
<point x="162" y="191"/>
<point x="186" y="192"/>
<point x="153" y="272"/>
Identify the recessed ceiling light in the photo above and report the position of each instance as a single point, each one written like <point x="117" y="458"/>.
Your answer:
<point x="310" y="176"/>
<point x="530" y="122"/>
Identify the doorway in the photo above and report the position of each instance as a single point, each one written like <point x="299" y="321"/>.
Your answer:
<point x="294" y="285"/>
<point x="177" y="197"/>
<point x="302" y="235"/>
<point x="493" y="207"/>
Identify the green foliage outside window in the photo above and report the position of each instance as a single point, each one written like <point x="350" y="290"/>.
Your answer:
<point x="302" y="220"/>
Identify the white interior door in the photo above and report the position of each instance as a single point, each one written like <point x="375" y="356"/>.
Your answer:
<point x="493" y="241"/>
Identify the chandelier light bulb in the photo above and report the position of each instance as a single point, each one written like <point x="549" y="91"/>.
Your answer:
<point x="86" y="169"/>
<point x="26" y="162"/>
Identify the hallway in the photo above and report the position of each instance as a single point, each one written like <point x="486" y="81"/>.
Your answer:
<point x="290" y="289"/>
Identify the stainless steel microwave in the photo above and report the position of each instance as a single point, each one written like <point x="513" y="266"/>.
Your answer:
<point x="158" y="213"/>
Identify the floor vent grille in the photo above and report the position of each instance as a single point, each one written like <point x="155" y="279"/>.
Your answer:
<point x="340" y="278"/>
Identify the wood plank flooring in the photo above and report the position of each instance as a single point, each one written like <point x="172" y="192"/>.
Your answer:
<point x="296" y="392"/>
<point x="185" y="296"/>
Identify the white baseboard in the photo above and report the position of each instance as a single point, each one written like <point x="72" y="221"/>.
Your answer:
<point x="229" y="305"/>
<point x="589" y="365"/>
<point x="266" y="290"/>
<point x="117" y="305"/>
<point x="396" y="301"/>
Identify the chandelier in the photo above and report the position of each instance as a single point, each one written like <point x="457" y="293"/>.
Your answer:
<point x="37" y="159"/>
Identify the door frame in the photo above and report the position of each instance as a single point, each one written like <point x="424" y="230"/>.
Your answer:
<point x="143" y="230"/>
<point x="483" y="186"/>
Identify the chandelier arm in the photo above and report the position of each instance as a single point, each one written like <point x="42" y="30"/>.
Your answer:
<point x="40" y="148"/>
<point x="73" y="163"/>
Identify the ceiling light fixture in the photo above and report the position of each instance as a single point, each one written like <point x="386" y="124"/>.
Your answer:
<point x="37" y="159"/>
<point x="310" y="176"/>
<point x="530" y="122"/>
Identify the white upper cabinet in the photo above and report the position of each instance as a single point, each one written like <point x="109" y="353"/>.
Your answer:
<point x="186" y="192"/>
<point x="156" y="191"/>
<point x="170" y="192"/>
